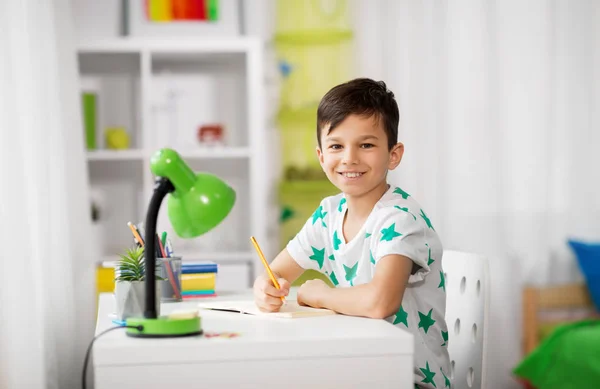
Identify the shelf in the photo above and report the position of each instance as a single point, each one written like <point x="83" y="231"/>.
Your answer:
<point x="218" y="257"/>
<point x="135" y="155"/>
<point x="115" y="155"/>
<point x="175" y="45"/>
<point x="217" y="153"/>
<point x="234" y="256"/>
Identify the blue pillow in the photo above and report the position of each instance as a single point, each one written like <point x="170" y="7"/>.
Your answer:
<point x="588" y="257"/>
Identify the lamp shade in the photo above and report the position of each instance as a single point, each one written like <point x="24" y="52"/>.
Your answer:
<point x="199" y="202"/>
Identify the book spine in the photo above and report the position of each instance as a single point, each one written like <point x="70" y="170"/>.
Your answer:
<point x="206" y="281"/>
<point x="197" y="293"/>
<point x="191" y="269"/>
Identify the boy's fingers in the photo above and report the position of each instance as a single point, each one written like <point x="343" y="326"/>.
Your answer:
<point x="285" y="286"/>
<point x="271" y="304"/>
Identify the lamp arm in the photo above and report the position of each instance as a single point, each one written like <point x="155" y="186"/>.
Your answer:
<point x="162" y="187"/>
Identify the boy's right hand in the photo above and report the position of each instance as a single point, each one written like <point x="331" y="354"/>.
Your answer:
<point x="266" y="296"/>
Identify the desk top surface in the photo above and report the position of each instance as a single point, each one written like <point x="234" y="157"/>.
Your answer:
<point x="229" y="335"/>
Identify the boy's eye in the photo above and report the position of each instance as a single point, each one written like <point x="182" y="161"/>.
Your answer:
<point x="366" y="145"/>
<point x="335" y="147"/>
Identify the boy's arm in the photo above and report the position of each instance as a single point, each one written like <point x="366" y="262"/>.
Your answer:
<point x="284" y="266"/>
<point x="378" y="299"/>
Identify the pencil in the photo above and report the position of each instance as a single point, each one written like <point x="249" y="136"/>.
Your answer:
<point x="136" y="235"/>
<point x="266" y="264"/>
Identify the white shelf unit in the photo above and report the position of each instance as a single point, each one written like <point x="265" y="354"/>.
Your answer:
<point x="210" y="81"/>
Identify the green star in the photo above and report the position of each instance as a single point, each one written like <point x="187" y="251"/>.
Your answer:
<point x="401" y="317"/>
<point x="425" y="321"/>
<point x="318" y="255"/>
<point x="446" y="380"/>
<point x="372" y="259"/>
<point x="351" y="272"/>
<point x="389" y="233"/>
<point x="445" y="337"/>
<point x="332" y="257"/>
<point x="333" y="279"/>
<point x="426" y="220"/>
<point x="367" y="235"/>
<point x="442" y="281"/>
<point x="405" y="209"/>
<point x="336" y="241"/>
<point x="429" y="259"/>
<point x="319" y="214"/>
<point x="428" y="375"/>
<point x="401" y="192"/>
<point x="342" y="202"/>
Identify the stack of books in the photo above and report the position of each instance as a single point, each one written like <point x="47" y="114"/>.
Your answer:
<point x="198" y="279"/>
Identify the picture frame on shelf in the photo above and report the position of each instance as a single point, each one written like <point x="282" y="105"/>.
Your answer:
<point x="166" y="19"/>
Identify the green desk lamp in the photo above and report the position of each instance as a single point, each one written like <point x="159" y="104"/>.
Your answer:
<point x="197" y="203"/>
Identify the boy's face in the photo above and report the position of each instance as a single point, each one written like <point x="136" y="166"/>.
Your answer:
<point x="355" y="155"/>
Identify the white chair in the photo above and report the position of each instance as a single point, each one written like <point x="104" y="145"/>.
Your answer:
<point x="467" y="302"/>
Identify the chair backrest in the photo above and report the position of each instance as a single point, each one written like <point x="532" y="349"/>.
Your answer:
<point x="467" y="302"/>
<point x="544" y="308"/>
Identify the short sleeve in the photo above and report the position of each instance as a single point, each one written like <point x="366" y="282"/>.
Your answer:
<point x="403" y="234"/>
<point x="308" y="246"/>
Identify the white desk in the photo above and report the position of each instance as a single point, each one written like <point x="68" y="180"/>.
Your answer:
<point x="320" y="352"/>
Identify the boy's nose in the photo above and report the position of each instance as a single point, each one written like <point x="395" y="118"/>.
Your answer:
<point x="350" y="157"/>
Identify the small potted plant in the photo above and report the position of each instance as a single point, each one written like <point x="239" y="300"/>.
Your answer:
<point x="130" y="286"/>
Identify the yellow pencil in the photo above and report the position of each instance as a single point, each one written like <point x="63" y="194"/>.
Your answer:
<point x="135" y="233"/>
<point x="264" y="261"/>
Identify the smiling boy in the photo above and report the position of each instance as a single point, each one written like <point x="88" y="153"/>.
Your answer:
<point x="374" y="241"/>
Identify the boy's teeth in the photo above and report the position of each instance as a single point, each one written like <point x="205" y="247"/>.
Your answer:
<point x="352" y="175"/>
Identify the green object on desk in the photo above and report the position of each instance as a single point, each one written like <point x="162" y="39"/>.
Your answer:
<point x="164" y="327"/>
<point x="568" y="358"/>
<point x="196" y="203"/>
<point x="200" y="200"/>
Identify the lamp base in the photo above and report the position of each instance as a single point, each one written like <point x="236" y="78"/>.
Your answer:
<point x="164" y="327"/>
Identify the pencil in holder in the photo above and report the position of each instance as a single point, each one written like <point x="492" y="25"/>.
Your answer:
<point x="170" y="271"/>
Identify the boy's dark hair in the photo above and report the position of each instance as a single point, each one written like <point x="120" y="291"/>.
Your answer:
<point x="364" y="97"/>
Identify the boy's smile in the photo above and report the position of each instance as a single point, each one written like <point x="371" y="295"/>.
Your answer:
<point x="355" y="155"/>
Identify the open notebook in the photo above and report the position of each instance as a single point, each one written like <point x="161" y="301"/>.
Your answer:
<point x="288" y="310"/>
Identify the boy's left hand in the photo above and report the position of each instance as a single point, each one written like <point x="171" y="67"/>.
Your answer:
<point x="312" y="292"/>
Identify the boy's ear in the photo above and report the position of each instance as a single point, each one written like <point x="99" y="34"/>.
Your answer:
<point x="320" y="155"/>
<point x="396" y="154"/>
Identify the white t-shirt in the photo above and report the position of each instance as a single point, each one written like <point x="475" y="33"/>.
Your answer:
<point x="396" y="225"/>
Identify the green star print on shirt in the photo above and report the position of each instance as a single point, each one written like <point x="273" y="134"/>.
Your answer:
<point x="402" y="193"/>
<point x="442" y="281"/>
<point x="333" y="279"/>
<point x="336" y="241"/>
<point x="342" y="201"/>
<point x="446" y="380"/>
<point x="445" y="337"/>
<point x="426" y="220"/>
<point x="405" y="209"/>
<point x="428" y="375"/>
<point x="401" y="317"/>
<point x="425" y="321"/>
<point x="389" y="233"/>
<point x="319" y="214"/>
<point x="318" y="255"/>
<point x="351" y="272"/>
<point x="429" y="259"/>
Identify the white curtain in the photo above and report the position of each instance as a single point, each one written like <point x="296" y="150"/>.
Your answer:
<point x="46" y="282"/>
<point x="500" y="116"/>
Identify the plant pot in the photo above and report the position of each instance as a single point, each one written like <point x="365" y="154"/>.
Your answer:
<point x="130" y="298"/>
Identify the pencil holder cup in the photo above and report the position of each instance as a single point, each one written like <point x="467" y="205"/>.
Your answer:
<point x="170" y="271"/>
